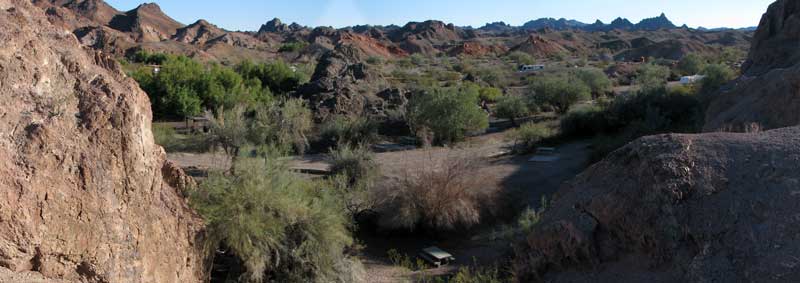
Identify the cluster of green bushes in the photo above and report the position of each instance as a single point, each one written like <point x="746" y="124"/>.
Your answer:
<point x="446" y="115"/>
<point x="183" y="87"/>
<point x="652" y="110"/>
<point x="342" y="130"/>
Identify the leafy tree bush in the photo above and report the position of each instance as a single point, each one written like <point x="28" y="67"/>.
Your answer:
<point x="355" y="175"/>
<point x="144" y="57"/>
<point x="490" y="94"/>
<point x="184" y="87"/>
<point x="521" y="58"/>
<point x="278" y="76"/>
<point x="716" y="75"/>
<point x="286" y="123"/>
<point x="691" y="64"/>
<point x="652" y="78"/>
<point x="355" y="162"/>
<point x="596" y="80"/>
<point x="527" y="137"/>
<point x="559" y="93"/>
<point x="512" y="108"/>
<point x="343" y="130"/>
<point x="281" y="227"/>
<point x="448" y="113"/>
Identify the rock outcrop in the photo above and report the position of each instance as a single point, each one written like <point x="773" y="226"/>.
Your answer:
<point x="86" y="194"/>
<point x="343" y="84"/>
<point x="146" y="23"/>
<point x="767" y="96"/>
<point x="720" y="207"/>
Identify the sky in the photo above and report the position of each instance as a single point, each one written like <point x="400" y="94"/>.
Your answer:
<point x="251" y="14"/>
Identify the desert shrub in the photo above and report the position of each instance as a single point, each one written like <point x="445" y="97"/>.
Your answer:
<point x="171" y="141"/>
<point x="652" y="78"/>
<point x="448" y="113"/>
<point x="512" y="108"/>
<point x="691" y="64"/>
<point x="528" y="136"/>
<point x="281" y="227"/>
<point x="477" y="274"/>
<point x="490" y="94"/>
<point x="355" y="175"/>
<point x="355" y="162"/>
<point x="164" y="135"/>
<point x="596" y="80"/>
<point x="418" y="59"/>
<point x="293" y="46"/>
<point x="230" y="130"/>
<point x="447" y="197"/>
<point x="521" y="58"/>
<point x="716" y="75"/>
<point x="285" y="123"/>
<point x="559" y="93"/>
<point x="144" y="57"/>
<point x="348" y="131"/>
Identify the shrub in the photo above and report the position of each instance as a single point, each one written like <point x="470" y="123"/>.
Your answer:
<point x="490" y="94"/>
<point x="446" y="197"/>
<point x="596" y="80"/>
<point x="528" y="136"/>
<point x="586" y="122"/>
<point x="355" y="174"/>
<point x="521" y="58"/>
<point x="356" y="163"/>
<point x="230" y="130"/>
<point x="374" y="60"/>
<point x="716" y="76"/>
<point x="278" y="76"/>
<point x="691" y="64"/>
<point x="559" y="93"/>
<point x="512" y="108"/>
<point x="652" y="78"/>
<point x="348" y="131"/>
<point x="286" y="124"/>
<point x="281" y="227"/>
<point x="448" y="113"/>
<point x="293" y="46"/>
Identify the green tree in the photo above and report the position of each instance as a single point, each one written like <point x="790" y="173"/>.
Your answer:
<point x="596" y="80"/>
<point x="512" y="108"/>
<point x="448" y="113"/>
<point x="490" y="94"/>
<point x="652" y="78"/>
<point x="559" y="93"/>
<point x="716" y="75"/>
<point x="691" y="64"/>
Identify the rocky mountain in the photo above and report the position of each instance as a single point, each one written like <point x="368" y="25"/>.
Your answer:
<point x="766" y="96"/>
<point x="146" y="23"/>
<point x="551" y="23"/>
<point x="657" y="23"/>
<point x="87" y="194"/>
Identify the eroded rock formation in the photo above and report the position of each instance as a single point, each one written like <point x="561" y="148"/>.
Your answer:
<point x="86" y="194"/>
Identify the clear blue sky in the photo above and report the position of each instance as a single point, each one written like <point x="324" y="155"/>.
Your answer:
<point x="250" y="14"/>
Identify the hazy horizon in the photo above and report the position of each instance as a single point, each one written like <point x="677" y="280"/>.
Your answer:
<point x="251" y="14"/>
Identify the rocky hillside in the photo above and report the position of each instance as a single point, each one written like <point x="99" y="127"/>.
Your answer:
<point x="767" y="95"/>
<point x="87" y="195"/>
<point x="676" y="208"/>
<point x="715" y="207"/>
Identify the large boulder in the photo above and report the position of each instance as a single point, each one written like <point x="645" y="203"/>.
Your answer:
<point x="767" y="96"/>
<point x="720" y="207"/>
<point x="86" y="194"/>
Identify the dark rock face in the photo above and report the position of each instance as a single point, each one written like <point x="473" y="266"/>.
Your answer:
<point x="767" y="96"/>
<point x="657" y="23"/>
<point x="87" y="196"/>
<point x="343" y="85"/>
<point x="716" y="207"/>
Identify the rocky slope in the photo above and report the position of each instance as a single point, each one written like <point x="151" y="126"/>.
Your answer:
<point x="676" y="208"/>
<point x="715" y="207"/>
<point x="767" y="96"/>
<point x="86" y="194"/>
